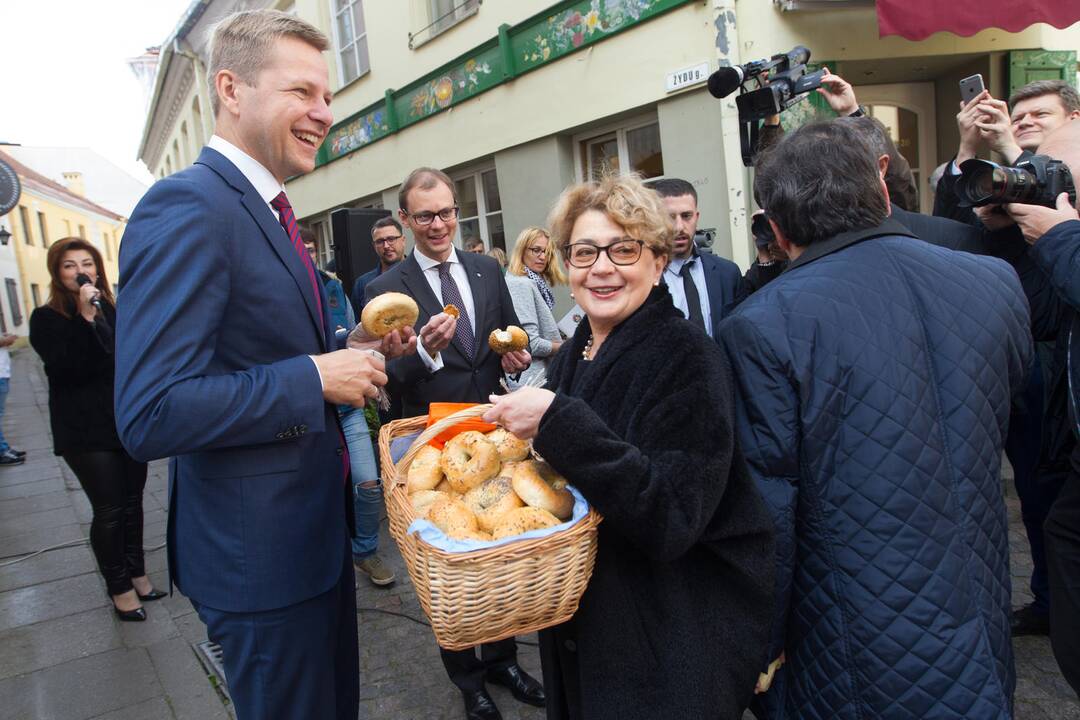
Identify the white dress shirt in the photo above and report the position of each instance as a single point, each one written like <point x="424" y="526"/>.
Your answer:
<point x="430" y="269"/>
<point x="261" y="179"/>
<point x="678" y="295"/>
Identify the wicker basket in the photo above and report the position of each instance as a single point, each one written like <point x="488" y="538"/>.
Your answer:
<point x="492" y="593"/>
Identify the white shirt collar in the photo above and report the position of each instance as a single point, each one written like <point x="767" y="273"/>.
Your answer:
<point x="259" y="177"/>
<point x="427" y="263"/>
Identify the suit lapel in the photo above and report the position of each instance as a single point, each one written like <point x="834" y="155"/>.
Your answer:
<point x="714" y="289"/>
<point x="273" y="231"/>
<point x="412" y="277"/>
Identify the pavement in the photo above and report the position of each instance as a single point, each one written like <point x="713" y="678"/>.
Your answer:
<point x="64" y="656"/>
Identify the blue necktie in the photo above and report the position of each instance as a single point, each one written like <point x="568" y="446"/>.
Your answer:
<point x="452" y="296"/>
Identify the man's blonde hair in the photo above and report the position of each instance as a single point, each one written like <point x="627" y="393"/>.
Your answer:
<point x="242" y="41"/>
<point x="626" y="201"/>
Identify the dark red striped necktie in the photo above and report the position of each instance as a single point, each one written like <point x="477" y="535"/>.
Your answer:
<point x="288" y="221"/>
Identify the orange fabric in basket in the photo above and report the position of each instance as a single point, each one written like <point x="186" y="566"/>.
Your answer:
<point x="437" y="411"/>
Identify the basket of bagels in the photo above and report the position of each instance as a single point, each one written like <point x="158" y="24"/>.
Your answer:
<point x="497" y="544"/>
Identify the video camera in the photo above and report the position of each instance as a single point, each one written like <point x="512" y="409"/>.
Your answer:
<point x="1035" y="181"/>
<point x="787" y="83"/>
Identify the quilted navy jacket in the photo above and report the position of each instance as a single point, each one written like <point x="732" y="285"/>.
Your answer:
<point x="874" y="378"/>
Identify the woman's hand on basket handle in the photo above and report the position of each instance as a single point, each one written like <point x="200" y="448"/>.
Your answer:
<point x="520" y="411"/>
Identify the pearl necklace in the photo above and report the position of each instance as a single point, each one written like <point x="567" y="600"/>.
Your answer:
<point x="588" y="349"/>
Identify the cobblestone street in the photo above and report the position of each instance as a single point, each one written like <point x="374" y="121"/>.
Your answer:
<point x="63" y="656"/>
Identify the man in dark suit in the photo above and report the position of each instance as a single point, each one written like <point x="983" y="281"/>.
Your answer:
<point x="225" y="362"/>
<point x="690" y="271"/>
<point x="453" y="363"/>
<point x="388" y="239"/>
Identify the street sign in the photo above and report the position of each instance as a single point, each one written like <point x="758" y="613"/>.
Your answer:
<point x="10" y="189"/>
<point x="686" y="77"/>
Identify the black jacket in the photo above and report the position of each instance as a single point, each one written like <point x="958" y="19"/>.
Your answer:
<point x="79" y="363"/>
<point x="460" y="379"/>
<point x="674" y="622"/>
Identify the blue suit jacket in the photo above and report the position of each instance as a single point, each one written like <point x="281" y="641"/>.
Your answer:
<point x="215" y="318"/>
<point x="723" y="282"/>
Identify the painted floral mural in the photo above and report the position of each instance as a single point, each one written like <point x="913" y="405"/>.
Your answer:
<point x="439" y="93"/>
<point x="580" y="24"/>
<point x="358" y="133"/>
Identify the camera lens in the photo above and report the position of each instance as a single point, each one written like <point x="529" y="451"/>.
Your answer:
<point x="987" y="183"/>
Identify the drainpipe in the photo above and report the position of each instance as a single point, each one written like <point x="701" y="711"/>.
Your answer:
<point x="736" y="177"/>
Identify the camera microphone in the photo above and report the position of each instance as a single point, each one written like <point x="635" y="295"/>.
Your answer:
<point x="84" y="279"/>
<point x="725" y="81"/>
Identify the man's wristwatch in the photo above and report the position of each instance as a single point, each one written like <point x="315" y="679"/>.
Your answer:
<point x="857" y="112"/>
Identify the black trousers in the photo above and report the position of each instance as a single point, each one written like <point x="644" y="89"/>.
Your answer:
<point x="1062" y="530"/>
<point x="467" y="672"/>
<point x="114" y="483"/>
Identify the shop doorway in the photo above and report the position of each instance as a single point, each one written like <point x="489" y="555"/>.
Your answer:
<point x="907" y="110"/>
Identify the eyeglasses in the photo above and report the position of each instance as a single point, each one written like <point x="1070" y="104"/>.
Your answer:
<point x="426" y="217"/>
<point x="621" y="252"/>
<point x="537" y="251"/>
<point x="386" y="240"/>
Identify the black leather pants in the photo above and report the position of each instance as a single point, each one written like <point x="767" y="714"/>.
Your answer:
<point x="114" y="483"/>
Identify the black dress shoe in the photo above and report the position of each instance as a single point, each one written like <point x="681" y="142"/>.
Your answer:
<point x="136" y="615"/>
<point x="1029" y="621"/>
<point x="522" y="686"/>
<point x="480" y="706"/>
<point x="152" y="595"/>
<point x="19" y="453"/>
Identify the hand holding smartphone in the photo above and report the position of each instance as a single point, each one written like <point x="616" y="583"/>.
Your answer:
<point x="970" y="87"/>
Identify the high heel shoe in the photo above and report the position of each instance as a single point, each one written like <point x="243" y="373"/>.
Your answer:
<point x="136" y="615"/>
<point x="152" y="595"/>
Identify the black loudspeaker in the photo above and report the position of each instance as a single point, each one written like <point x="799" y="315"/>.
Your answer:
<point x="353" y="251"/>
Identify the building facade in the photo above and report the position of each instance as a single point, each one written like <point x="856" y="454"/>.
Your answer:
<point x="515" y="99"/>
<point x="48" y="211"/>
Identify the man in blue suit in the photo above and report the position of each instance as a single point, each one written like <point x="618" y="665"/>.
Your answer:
<point x="703" y="286"/>
<point x="226" y="363"/>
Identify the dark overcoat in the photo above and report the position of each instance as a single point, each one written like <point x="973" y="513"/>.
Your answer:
<point x="674" y="621"/>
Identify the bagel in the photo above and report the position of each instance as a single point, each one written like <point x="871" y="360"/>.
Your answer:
<point x="508" y="340"/>
<point x="468" y="460"/>
<point x="478" y="535"/>
<point x="422" y="501"/>
<point x="541" y="487"/>
<point x="452" y="517"/>
<point x="444" y="486"/>
<point x="491" y="500"/>
<point x="388" y="312"/>
<point x="511" y="448"/>
<point x="425" y="473"/>
<point x="523" y="520"/>
<point x="507" y="470"/>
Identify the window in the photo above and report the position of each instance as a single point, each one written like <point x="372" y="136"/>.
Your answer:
<point x="35" y="291"/>
<point x="481" y="209"/>
<point x="3" y="320"/>
<point x="351" y="38"/>
<point x="82" y="231"/>
<point x="42" y="229"/>
<point x="108" y="245"/>
<point x="24" y="220"/>
<point x="633" y="148"/>
<point x="13" y="300"/>
<point x="67" y="228"/>
<point x="441" y="16"/>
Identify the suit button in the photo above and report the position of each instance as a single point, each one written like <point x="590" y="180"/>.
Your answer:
<point x="570" y="645"/>
<point x="340" y="451"/>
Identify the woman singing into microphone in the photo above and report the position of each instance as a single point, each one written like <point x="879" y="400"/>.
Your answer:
<point x="73" y="334"/>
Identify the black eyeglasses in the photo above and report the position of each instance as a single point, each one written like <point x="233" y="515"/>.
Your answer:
<point x="426" y="217"/>
<point x="386" y="240"/>
<point x="621" y="252"/>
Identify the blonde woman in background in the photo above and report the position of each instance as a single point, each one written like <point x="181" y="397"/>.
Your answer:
<point x="533" y="271"/>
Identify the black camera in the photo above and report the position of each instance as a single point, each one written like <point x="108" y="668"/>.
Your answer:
<point x="788" y="82"/>
<point x="762" y="231"/>
<point x="1035" y="181"/>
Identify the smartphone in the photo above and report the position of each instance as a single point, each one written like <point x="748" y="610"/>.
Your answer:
<point x="970" y="87"/>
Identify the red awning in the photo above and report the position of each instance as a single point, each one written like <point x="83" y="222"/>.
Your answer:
<point x="918" y="19"/>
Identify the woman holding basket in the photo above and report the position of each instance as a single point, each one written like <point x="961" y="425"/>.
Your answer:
<point x="638" y="416"/>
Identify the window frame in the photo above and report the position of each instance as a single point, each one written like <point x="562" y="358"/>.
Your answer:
<point x="339" y="50"/>
<point x="583" y="172"/>
<point x="35" y="294"/>
<point x="12" y="287"/>
<point x="24" y="221"/>
<point x="477" y="176"/>
<point x="43" y="228"/>
<point x="462" y="11"/>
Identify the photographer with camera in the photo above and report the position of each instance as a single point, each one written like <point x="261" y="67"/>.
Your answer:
<point x="1053" y="291"/>
<point x="1038" y="108"/>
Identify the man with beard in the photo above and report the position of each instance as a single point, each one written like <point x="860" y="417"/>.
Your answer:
<point x="704" y="287"/>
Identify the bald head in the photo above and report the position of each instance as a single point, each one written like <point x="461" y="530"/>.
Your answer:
<point x="1063" y="144"/>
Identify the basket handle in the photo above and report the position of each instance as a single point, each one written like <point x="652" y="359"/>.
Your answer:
<point x="401" y="470"/>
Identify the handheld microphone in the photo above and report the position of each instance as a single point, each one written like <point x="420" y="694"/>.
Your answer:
<point x="725" y="81"/>
<point x="84" y="279"/>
